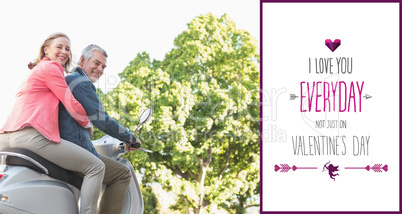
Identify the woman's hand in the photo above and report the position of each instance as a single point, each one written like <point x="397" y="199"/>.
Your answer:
<point x="90" y="128"/>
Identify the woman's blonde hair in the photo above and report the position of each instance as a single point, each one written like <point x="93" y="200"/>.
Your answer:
<point x="46" y="43"/>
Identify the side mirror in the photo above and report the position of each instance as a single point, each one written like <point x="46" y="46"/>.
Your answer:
<point x="144" y="118"/>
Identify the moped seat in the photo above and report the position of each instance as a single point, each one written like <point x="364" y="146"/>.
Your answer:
<point x="52" y="169"/>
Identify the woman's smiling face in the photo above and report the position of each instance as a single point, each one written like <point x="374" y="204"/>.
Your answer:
<point x="58" y="50"/>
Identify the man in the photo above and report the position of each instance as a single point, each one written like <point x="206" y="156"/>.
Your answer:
<point x="117" y="176"/>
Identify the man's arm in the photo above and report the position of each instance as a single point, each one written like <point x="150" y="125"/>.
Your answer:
<point x="85" y="93"/>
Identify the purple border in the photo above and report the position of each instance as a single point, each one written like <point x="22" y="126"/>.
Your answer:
<point x="261" y="82"/>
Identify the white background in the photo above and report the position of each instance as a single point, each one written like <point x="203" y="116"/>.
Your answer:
<point x="369" y="34"/>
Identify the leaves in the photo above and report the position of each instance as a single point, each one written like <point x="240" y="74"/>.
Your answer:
<point x="205" y="125"/>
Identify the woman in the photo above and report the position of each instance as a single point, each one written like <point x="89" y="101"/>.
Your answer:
<point x="33" y="122"/>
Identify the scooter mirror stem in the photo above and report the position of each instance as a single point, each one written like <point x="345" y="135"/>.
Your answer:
<point x="137" y="128"/>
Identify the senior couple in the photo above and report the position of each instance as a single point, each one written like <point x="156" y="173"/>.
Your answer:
<point x="53" y="116"/>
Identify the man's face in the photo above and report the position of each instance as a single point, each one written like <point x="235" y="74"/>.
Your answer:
<point x="94" y="66"/>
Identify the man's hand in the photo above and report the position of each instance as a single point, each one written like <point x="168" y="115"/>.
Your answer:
<point x="130" y="149"/>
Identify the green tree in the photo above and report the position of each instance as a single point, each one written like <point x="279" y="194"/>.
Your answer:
<point x="205" y="127"/>
<point x="151" y="202"/>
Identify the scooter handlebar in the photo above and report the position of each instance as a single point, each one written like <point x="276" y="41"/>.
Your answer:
<point x="133" y="145"/>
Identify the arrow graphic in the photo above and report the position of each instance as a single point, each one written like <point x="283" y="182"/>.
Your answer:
<point x="286" y="168"/>
<point x="367" y="96"/>
<point x="283" y="168"/>
<point x="295" y="167"/>
<point x="293" y="96"/>
<point x="375" y="168"/>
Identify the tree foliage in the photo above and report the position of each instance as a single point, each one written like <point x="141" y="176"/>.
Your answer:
<point x="151" y="202"/>
<point x="204" y="130"/>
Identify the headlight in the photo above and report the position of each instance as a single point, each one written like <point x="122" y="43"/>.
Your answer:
<point x="4" y="197"/>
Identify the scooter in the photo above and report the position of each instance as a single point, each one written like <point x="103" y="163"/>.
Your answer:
<point x="31" y="184"/>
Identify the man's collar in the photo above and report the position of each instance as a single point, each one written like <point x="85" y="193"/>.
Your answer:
<point x="80" y="71"/>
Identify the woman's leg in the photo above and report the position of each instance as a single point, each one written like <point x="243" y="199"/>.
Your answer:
<point x="68" y="156"/>
<point x="4" y="140"/>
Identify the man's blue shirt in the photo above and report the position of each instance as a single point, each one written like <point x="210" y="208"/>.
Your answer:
<point x="85" y="92"/>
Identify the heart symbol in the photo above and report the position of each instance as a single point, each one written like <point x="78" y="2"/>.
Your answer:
<point x="385" y="168"/>
<point x="333" y="45"/>
<point x="277" y="168"/>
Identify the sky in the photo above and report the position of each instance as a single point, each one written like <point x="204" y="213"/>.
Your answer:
<point x="123" y="28"/>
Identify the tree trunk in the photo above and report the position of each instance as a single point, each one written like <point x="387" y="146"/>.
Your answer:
<point x="187" y="208"/>
<point x="199" y="209"/>
<point x="201" y="179"/>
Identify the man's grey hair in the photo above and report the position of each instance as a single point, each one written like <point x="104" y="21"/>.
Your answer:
<point x="89" y="51"/>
